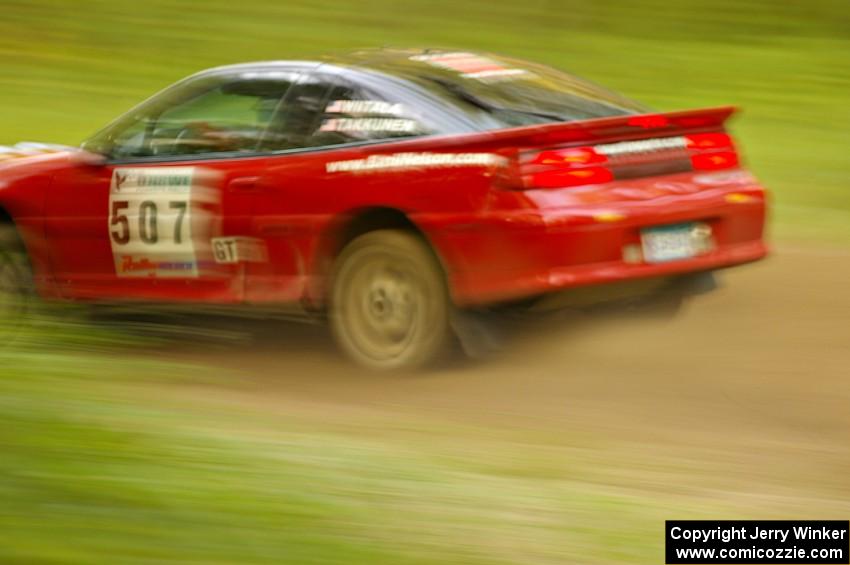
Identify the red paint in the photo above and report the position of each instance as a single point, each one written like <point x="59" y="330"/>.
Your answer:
<point x="649" y="121"/>
<point x="495" y="242"/>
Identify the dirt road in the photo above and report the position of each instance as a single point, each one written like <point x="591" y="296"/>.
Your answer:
<point x="745" y="395"/>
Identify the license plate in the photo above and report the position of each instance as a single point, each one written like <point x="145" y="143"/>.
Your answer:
<point x="668" y="243"/>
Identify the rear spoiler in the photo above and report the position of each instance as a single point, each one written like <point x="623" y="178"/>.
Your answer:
<point x="617" y="128"/>
<point x="581" y="132"/>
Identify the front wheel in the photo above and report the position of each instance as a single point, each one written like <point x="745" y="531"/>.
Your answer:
<point x="389" y="305"/>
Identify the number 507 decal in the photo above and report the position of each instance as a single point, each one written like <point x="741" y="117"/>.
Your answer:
<point x="148" y="221"/>
<point x="153" y="216"/>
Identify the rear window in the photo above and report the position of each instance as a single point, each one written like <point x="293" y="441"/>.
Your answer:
<point x="515" y="92"/>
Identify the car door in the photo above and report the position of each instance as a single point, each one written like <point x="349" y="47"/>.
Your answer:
<point x="325" y="117"/>
<point x="167" y="213"/>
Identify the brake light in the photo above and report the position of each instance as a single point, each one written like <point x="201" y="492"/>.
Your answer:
<point x="711" y="151"/>
<point x="708" y="141"/>
<point x="649" y="121"/>
<point x="559" y="168"/>
<point x="570" y="156"/>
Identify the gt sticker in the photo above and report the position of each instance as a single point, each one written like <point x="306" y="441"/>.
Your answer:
<point x="159" y="219"/>
<point x="229" y="250"/>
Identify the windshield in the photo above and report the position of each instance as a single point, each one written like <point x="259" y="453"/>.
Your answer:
<point x="510" y="92"/>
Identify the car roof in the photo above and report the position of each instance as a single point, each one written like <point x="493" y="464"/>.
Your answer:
<point x="393" y="61"/>
<point x="258" y="65"/>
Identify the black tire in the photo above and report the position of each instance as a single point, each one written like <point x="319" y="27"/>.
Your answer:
<point x="15" y="284"/>
<point x="389" y="306"/>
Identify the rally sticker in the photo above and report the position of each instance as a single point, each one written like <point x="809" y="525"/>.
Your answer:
<point x="361" y="107"/>
<point x="415" y="160"/>
<point x="473" y="66"/>
<point x="161" y="220"/>
<point x="370" y="125"/>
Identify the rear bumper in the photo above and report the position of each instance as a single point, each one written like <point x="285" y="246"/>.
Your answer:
<point x="518" y="255"/>
<point x="517" y="285"/>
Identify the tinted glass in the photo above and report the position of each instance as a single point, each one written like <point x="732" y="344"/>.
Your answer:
<point x="509" y="91"/>
<point x="325" y="110"/>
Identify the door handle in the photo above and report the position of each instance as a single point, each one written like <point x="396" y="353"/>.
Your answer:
<point x="244" y="183"/>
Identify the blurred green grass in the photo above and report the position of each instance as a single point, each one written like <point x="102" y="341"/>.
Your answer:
<point x="70" y="66"/>
<point x="112" y="456"/>
<point x="112" y="453"/>
<point x="115" y="458"/>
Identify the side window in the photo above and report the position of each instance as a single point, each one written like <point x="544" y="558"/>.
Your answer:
<point x="299" y="116"/>
<point x="229" y="117"/>
<point x="325" y="111"/>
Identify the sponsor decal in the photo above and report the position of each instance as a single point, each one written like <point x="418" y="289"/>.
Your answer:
<point x="131" y="264"/>
<point x="364" y="107"/>
<point x="145" y="182"/>
<point x="416" y="160"/>
<point x="641" y="146"/>
<point x="473" y="66"/>
<point x="370" y="124"/>
<point x="146" y="266"/>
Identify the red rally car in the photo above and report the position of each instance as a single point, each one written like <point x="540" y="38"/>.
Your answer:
<point x="389" y="189"/>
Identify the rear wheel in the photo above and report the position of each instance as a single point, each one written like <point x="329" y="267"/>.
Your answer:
<point x="389" y="305"/>
<point x="15" y="283"/>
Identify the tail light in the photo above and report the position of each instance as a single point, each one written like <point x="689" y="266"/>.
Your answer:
<point x="579" y="166"/>
<point x="715" y="161"/>
<point x="557" y="178"/>
<point x="711" y="151"/>
<point x="558" y="168"/>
